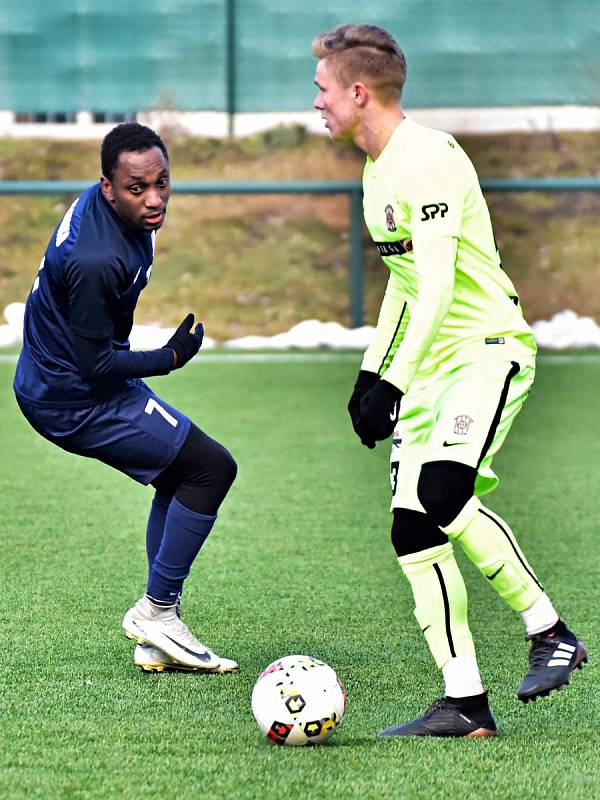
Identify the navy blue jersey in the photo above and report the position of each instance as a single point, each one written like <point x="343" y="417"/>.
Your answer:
<point x="86" y="291"/>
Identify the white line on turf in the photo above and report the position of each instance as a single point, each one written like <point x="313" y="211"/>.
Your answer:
<point x="235" y="358"/>
<point x="569" y="358"/>
<point x="292" y="357"/>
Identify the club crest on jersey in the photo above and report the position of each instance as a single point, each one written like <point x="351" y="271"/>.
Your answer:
<point x="389" y="218"/>
<point x="462" y="424"/>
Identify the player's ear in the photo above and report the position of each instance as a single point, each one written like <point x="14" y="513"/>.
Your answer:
<point x="360" y="93"/>
<point x="107" y="189"/>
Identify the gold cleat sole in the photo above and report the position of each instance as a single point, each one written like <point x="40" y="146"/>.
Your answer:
<point x="183" y="668"/>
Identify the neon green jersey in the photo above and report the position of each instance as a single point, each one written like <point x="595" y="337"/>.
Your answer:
<point x="422" y="188"/>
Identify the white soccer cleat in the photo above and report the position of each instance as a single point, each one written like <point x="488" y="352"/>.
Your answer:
<point x="151" y="659"/>
<point x="147" y="623"/>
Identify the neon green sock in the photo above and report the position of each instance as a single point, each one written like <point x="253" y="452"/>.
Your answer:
<point x="490" y="544"/>
<point x="440" y="601"/>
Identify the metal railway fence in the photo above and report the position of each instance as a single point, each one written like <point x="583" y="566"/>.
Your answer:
<point x="351" y="188"/>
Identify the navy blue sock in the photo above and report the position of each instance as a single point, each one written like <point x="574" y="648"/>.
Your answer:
<point x="184" y="534"/>
<point x="156" y="525"/>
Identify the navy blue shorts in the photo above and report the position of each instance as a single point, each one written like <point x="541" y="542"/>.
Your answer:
<point x="134" y="431"/>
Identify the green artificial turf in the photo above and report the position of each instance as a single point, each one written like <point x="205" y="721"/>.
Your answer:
<point x="299" y="562"/>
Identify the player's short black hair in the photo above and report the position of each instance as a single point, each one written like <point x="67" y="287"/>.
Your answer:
<point x="125" y="138"/>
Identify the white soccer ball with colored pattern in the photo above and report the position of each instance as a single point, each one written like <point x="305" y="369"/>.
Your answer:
<point x="298" y="700"/>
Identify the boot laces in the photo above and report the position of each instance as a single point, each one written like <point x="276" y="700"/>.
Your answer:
<point x="542" y="650"/>
<point x="435" y="706"/>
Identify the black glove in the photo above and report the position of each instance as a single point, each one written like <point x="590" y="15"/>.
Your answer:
<point x="379" y="409"/>
<point x="185" y="343"/>
<point x="364" y="381"/>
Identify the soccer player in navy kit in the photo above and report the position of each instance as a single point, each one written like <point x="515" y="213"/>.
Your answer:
<point x="80" y="386"/>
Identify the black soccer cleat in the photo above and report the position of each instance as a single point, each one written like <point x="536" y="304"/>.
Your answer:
<point x="552" y="659"/>
<point x="450" y="717"/>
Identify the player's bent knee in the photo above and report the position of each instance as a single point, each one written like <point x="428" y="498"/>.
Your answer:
<point x="202" y="473"/>
<point x="413" y="531"/>
<point x="444" y="488"/>
<point x="228" y="468"/>
<point x="211" y="479"/>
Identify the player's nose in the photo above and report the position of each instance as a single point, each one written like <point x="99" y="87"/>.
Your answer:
<point x="153" y="199"/>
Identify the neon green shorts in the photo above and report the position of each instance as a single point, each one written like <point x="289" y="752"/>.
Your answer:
<point x="460" y="414"/>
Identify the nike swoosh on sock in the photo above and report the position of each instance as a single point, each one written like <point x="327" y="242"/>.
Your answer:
<point x="498" y="571"/>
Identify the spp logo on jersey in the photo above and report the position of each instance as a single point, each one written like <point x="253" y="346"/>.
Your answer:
<point x="432" y="210"/>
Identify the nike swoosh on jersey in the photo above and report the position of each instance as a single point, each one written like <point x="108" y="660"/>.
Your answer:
<point x="452" y="444"/>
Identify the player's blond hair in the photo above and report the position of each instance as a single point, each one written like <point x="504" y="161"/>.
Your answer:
<point x="365" y="53"/>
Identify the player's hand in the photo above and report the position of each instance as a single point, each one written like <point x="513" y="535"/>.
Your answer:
<point x="364" y="381"/>
<point x="185" y="343"/>
<point x="379" y="409"/>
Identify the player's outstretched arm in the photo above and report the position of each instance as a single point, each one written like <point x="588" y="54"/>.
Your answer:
<point x="97" y="360"/>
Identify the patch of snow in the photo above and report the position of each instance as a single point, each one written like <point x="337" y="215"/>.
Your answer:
<point x="12" y="332"/>
<point x="310" y="334"/>
<point x="564" y="330"/>
<point x="151" y="337"/>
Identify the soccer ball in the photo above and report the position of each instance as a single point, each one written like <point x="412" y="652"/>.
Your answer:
<point x="298" y="700"/>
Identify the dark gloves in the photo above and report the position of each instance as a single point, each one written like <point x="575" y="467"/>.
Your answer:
<point x="184" y="343"/>
<point x="379" y="409"/>
<point x="364" y="381"/>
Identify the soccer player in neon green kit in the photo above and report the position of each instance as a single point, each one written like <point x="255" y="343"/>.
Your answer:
<point x="449" y="367"/>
